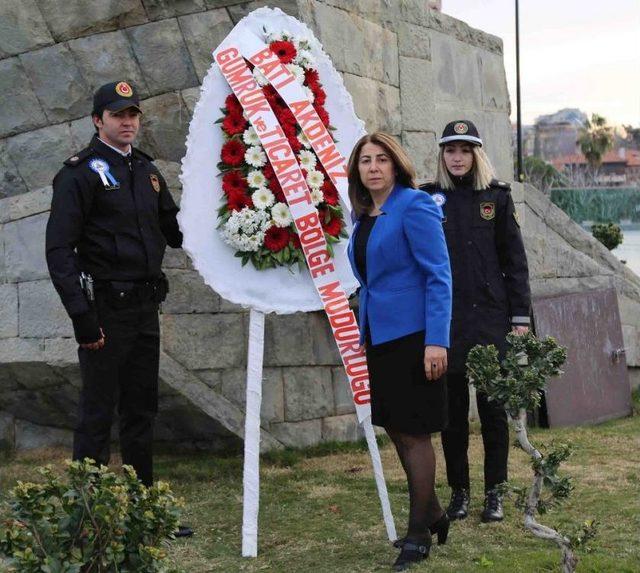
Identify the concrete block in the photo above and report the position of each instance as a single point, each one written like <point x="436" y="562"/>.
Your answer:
<point x="287" y="340"/>
<point x="272" y="409"/>
<point x="200" y="341"/>
<point x="190" y="97"/>
<point x="341" y="429"/>
<point x="14" y="350"/>
<point x="165" y="125"/>
<point x="495" y="95"/>
<point x="22" y="27"/>
<point x="11" y="183"/>
<point x="189" y="294"/>
<point x="62" y="353"/>
<point x="160" y="49"/>
<point x="161" y="9"/>
<point x="8" y="310"/>
<point x="21" y="110"/>
<point x="174" y="259"/>
<point x="58" y="83"/>
<point x="82" y="130"/>
<point x="423" y="151"/>
<point x="416" y="94"/>
<point x="298" y="434"/>
<point x="238" y="10"/>
<point x="24" y="249"/>
<point x="103" y="55"/>
<point x="25" y="205"/>
<point x="377" y="104"/>
<point x="325" y="349"/>
<point x="39" y="154"/>
<point x="342" y="396"/>
<point x="308" y="393"/>
<point x="203" y="33"/>
<point x="41" y="312"/>
<point x="211" y="378"/>
<point x="69" y="19"/>
<point x="414" y="41"/>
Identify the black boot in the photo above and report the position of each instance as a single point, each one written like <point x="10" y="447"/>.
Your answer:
<point x="439" y="528"/>
<point x="492" y="507"/>
<point x="459" y="504"/>
<point x="183" y="531"/>
<point x="412" y="551"/>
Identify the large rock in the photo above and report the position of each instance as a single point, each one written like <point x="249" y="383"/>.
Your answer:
<point x="26" y="205"/>
<point x="163" y="55"/>
<point x="7" y="434"/>
<point x="21" y="110"/>
<point x="298" y="434"/>
<point x="22" y="27"/>
<point x="8" y="310"/>
<point x="341" y="429"/>
<point x="33" y="436"/>
<point x="203" y="33"/>
<point x="105" y="58"/>
<point x="234" y="384"/>
<point x="58" y="83"/>
<point x="39" y="154"/>
<point x="287" y="340"/>
<point x="377" y="104"/>
<point x="24" y="249"/>
<point x="201" y="341"/>
<point x="16" y="350"/>
<point x="342" y="395"/>
<point x="74" y="18"/>
<point x="423" y="151"/>
<point x="238" y="9"/>
<point x="161" y="9"/>
<point x="325" y="349"/>
<point x="495" y="95"/>
<point x="165" y="124"/>
<point x="414" y="41"/>
<point x="188" y="294"/>
<point x="82" y="130"/>
<point x="11" y="182"/>
<point x="308" y="393"/>
<point x="41" y="311"/>
<point x="416" y="94"/>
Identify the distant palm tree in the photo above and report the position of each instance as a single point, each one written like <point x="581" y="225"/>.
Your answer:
<point x="595" y="139"/>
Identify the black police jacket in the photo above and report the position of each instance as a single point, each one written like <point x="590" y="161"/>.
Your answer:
<point x="488" y="266"/>
<point x="111" y="217"/>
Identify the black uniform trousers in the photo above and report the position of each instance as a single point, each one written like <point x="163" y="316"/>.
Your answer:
<point x="455" y="438"/>
<point x="122" y="374"/>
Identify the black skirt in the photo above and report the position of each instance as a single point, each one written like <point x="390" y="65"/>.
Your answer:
<point x="402" y="398"/>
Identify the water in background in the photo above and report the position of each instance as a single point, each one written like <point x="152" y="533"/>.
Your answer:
<point x="629" y="250"/>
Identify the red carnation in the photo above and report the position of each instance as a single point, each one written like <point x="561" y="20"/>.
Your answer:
<point x="271" y="94"/>
<point x="285" y="116"/>
<point x="234" y="124"/>
<point x="233" y="180"/>
<point x="279" y="195"/>
<point x="233" y="105"/>
<point x="285" y="51"/>
<point x="295" y="240"/>
<point x="312" y="78"/>
<point x="330" y="192"/>
<point x="333" y="227"/>
<point x="233" y="152"/>
<point x="320" y="95"/>
<point x="276" y="238"/>
<point x="268" y="171"/>
<point x="237" y="199"/>
<point x="322" y="114"/>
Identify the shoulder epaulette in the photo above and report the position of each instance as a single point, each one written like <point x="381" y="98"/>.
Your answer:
<point x="137" y="151"/>
<point x="497" y="184"/>
<point x="77" y="159"/>
<point x="429" y="187"/>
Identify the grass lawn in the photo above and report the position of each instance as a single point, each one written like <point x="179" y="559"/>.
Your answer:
<point x="320" y="511"/>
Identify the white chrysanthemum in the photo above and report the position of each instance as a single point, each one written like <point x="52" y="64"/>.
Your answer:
<point x="260" y="78"/>
<point x="304" y="57"/>
<point x="307" y="159"/>
<point x="315" y="179"/>
<point x="297" y="71"/>
<point x="304" y="140"/>
<point x="281" y="215"/>
<point x="262" y="198"/>
<point x="255" y="156"/>
<point x="317" y="197"/>
<point x="307" y="91"/>
<point x="250" y="137"/>
<point x="256" y="179"/>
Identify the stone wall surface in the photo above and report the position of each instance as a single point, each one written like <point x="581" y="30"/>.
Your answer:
<point x="410" y="70"/>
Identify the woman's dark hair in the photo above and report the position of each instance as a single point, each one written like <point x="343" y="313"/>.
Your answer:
<point x="359" y="195"/>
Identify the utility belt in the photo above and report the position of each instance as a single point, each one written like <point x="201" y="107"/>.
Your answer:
<point x="126" y="294"/>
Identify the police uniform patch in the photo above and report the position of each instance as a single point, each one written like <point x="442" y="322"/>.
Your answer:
<point x="124" y="89"/>
<point x="487" y="210"/>
<point x="155" y="182"/>
<point x="439" y="199"/>
<point x="461" y="128"/>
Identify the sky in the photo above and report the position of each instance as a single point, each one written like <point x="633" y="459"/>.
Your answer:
<point x="573" y="53"/>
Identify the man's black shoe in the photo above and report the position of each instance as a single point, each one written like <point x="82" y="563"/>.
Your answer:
<point x="183" y="531"/>
<point x="459" y="504"/>
<point x="492" y="507"/>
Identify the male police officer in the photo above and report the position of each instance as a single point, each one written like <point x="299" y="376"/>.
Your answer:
<point x="111" y="219"/>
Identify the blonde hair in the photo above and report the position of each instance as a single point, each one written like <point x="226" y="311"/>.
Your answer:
<point x="359" y="195"/>
<point x="483" y="171"/>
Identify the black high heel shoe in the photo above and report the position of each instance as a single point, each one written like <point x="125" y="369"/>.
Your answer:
<point x="412" y="551"/>
<point x="441" y="528"/>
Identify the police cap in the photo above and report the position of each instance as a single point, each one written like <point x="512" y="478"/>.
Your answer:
<point x="115" y="96"/>
<point x="460" y="130"/>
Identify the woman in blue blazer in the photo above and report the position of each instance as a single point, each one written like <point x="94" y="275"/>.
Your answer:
<point x="399" y="255"/>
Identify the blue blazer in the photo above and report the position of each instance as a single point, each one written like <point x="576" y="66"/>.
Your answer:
<point x="408" y="285"/>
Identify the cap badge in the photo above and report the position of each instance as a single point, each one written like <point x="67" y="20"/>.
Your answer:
<point x="124" y="89"/>
<point x="487" y="210"/>
<point x="101" y="167"/>
<point x="155" y="182"/>
<point x="439" y="199"/>
<point x="461" y="128"/>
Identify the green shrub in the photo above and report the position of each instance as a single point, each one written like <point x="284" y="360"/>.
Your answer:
<point x="94" y="521"/>
<point x="609" y="234"/>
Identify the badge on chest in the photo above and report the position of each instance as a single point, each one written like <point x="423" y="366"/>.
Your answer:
<point x="487" y="210"/>
<point x="102" y="168"/>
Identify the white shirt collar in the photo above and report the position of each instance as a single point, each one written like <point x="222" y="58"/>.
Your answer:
<point x="123" y="153"/>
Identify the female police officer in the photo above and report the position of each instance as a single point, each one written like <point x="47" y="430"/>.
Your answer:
<point x="490" y="298"/>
